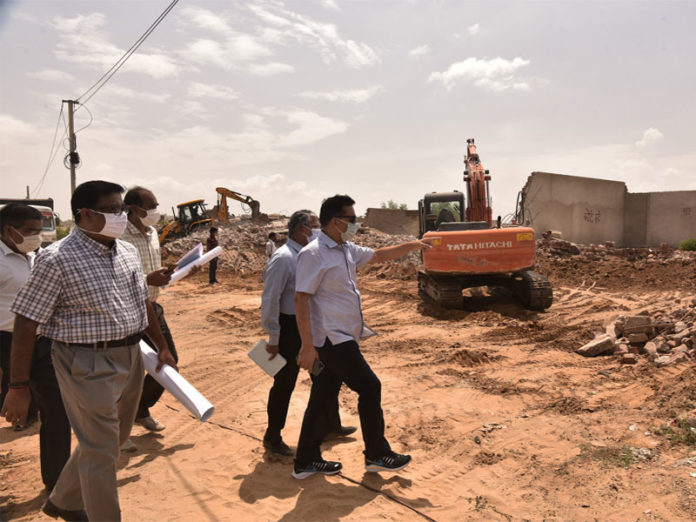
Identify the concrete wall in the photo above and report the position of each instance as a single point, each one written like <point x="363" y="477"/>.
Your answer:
<point x="588" y="210"/>
<point x="393" y="221"/>
<point x="636" y="220"/>
<point x="671" y="217"/>
<point x="585" y="210"/>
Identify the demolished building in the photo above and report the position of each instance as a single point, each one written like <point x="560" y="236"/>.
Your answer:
<point x="590" y="210"/>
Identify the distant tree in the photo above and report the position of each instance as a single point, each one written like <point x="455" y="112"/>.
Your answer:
<point x="393" y="205"/>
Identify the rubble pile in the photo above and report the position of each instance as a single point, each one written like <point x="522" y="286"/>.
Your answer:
<point x="244" y="244"/>
<point x="662" y="337"/>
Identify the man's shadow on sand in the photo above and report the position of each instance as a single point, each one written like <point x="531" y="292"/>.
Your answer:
<point x="342" y="496"/>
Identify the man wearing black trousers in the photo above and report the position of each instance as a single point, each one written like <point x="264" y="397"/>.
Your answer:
<point x="278" y="318"/>
<point x="330" y="321"/>
<point x="21" y="227"/>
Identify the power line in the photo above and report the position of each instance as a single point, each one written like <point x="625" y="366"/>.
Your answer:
<point x="54" y="151"/>
<point x="89" y="93"/>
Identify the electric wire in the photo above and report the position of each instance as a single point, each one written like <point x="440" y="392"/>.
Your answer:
<point x="91" y="119"/>
<point x="89" y="93"/>
<point x="53" y="153"/>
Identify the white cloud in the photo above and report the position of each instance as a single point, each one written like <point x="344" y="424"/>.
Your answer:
<point x="495" y="74"/>
<point x="473" y="29"/>
<point x="125" y="92"/>
<point x="52" y="75"/>
<point x="650" y="136"/>
<point x="13" y="127"/>
<point x="421" y="50"/>
<point x="330" y="4"/>
<point x="204" y="90"/>
<point x="82" y="40"/>
<point x="311" y="127"/>
<point x="286" y="26"/>
<point x="354" y="96"/>
<point x="270" y="69"/>
<point x="205" y="19"/>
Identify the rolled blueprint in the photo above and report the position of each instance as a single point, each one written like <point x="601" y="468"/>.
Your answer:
<point x="175" y="384"/>
<point x="183" y="272"/>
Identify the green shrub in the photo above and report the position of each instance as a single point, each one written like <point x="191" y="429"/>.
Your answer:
<point x="688" y="244"/>
<point x="61" y="232"/>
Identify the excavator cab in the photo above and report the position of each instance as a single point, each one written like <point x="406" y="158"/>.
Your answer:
<point x="187" y="217"/>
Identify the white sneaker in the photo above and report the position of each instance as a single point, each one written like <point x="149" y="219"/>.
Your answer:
<point x="128" y="447"/>
<point x="150" y="423"/>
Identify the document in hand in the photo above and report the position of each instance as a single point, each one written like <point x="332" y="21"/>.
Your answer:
<point x="175" y="384"/>
<point x="194" y="257"/>
<point x="260" y="356"/>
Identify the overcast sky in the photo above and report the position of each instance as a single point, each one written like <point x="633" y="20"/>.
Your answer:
<point x="293" y="101"/>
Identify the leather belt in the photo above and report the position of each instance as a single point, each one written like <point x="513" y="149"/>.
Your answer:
<point x="116" y="343"/>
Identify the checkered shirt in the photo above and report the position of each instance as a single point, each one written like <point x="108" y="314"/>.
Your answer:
<point x="149" y="250"/>
<point x="81" y="291"/>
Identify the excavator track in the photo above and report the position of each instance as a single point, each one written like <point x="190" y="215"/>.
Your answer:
<point x="533" y="290"/>
<point x="443" y="291"/>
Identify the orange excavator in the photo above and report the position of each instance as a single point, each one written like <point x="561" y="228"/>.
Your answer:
<point x="470" y="251"/>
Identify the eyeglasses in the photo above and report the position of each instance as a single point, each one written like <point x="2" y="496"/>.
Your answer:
<point x="117" y="211"/>
<point x="348" y="218"/>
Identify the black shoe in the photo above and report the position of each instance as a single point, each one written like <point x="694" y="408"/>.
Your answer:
<point x="278" y="447"/>
<point x="54" y="511"/>
<point x="325" y="467"/>
<point x="389" y="462"/>
<point x="340" y="432"/>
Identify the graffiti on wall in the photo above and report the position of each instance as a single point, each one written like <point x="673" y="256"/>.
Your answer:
<point x="592" y="216"/>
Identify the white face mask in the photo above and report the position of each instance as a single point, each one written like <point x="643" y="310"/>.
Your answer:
<point x="28" y="243"/>
<point x="151" y="219"/>
<point x="114" y="226"/>
<point x="316" y="232"/>
<point x="350" y="232"/>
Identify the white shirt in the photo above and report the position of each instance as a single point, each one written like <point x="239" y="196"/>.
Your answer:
<point x="14" y="272"/>
<point x="279" y="289"/>
<point x="326" y="270"/>
<point x="270" y="248"/>
<point x="148" y="250"/>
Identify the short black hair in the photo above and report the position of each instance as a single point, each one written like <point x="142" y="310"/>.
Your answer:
<point x="271" y="235"/>
<point x="213" y="229"/>
<point x="88" y="193"/>
<point x="16" y="214"/>
<point x="134" y="196"/>
<point x="299" y="217"/>
<point x="333" y="207"/>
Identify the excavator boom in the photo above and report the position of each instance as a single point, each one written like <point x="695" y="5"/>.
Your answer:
<point x="223" y="208"/>
<point x="476" y="178"/>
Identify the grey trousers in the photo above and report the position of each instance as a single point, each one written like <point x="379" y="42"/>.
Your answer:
<point x="100" y="390"/>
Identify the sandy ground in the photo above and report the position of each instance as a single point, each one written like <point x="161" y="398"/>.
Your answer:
<point x="503" y="420"/>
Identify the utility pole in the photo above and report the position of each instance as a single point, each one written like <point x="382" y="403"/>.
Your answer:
<point x="74" y="158"/>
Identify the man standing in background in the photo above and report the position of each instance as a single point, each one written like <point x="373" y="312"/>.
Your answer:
<point x="21" y="236"/>
<point x="211" y="243"/>
<point x="278" y="319"/>
<point x="271" y="245"/>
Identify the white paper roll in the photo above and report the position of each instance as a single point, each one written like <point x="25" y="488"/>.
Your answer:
<point x="208" y="256"/>
<point x="175" y="384"/>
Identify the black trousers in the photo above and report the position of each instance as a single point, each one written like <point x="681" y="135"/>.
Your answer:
<point x="212" y="271"/>
<point x="343" y="363"/>
<point x="284" y="384"/>
<point x="54" y="433"/>
<point x="152" y="390"/>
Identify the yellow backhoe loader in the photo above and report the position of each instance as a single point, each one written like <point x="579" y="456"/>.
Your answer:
<point x="188" y="217"/>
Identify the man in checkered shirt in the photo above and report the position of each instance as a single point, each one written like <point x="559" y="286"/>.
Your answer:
<point x="88" y="294"/>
